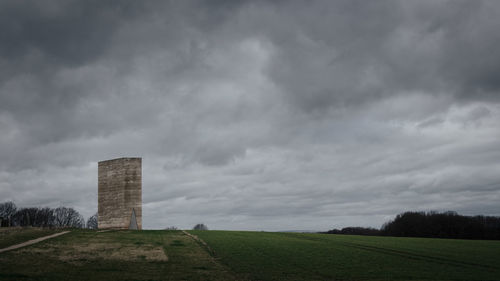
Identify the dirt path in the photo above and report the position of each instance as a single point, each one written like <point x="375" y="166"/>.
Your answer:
<point x="198" y="239"/>
<point x="212" y="256"/>
<point x="30" y="242"/>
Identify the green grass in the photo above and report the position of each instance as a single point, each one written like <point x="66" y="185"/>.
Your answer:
<point x="15" y="235"/>
<point x="293" y="256"/>
<point x="114" y="255"/>
<point x="237" y="255"/>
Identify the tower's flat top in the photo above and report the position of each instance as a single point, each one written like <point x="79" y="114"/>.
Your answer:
<point x="121" y="159"/>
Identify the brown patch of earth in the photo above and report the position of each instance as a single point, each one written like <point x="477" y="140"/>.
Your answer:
<point x="78" y="253"/>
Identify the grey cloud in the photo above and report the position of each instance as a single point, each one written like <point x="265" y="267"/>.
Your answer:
<point x="254" y="114"/>
<point x="356" y="52"/>
<point x="63" y="32"/>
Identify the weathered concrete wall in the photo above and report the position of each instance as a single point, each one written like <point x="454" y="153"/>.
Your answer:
<point x="119" y="191"/>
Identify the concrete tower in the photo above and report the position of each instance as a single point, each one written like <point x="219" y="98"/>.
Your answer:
<point x="120" y="193"/>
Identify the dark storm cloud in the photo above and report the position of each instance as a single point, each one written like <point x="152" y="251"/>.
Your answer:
<point x="39" y="41"/>
<point x="64" y="32"/>
<point x="352" y="52"/>
<point x="254" y="114"/>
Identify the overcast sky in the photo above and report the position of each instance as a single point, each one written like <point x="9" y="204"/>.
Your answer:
<point x="254" y="115"/>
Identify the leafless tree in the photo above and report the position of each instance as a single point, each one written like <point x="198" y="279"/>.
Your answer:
<point x="92" y="222"/>
<point x="200" y="226"/>
<point x="67" y="217"/>
<point x="45" y="217"/>
<point x="39" y="217"/>
<point x="29" y="215"/>
<point x="7" y="210"/>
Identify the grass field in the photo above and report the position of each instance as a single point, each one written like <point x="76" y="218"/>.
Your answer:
<point x="114" y="255"/>
<point x="14" y="235"/>
<point x="293" y="256"/>
<point x="234" y="255"/>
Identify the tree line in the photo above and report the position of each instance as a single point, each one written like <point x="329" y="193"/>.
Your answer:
<point x="10" y="215"/>
<point x="433" y="225"/>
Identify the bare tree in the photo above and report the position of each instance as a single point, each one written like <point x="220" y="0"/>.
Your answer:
<point x="7" y="210"/>
<point x="200" y="226"/>
<point x="92" y="222"/>
<point x="38" y="217"/>
<point x="68" y="217"/>
<point x="45" y="217"/>
<point x="30" y="215"/>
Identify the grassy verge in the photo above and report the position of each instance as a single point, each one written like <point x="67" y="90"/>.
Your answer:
<point x="14" y="235"/>
<point x="291" y="256"/>
<point x="113" y="255"/>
